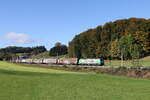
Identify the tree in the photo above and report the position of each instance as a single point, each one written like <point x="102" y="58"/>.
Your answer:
<point x="5" y="56"/>
<point x="136" y="53"/>
<point x="143" y="38"/>
<point x="58" y="49"/>
<point x="129" y="49"/>
<point x="114" y="49"/>
<point x="125" y="45"/>
<point x="38" y="49"/>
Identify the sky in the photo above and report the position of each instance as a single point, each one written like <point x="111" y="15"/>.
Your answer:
<point x="45" y="22"/>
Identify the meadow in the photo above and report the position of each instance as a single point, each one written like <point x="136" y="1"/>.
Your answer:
<point x="29" y="83"/>
<point x="130" y="63"/>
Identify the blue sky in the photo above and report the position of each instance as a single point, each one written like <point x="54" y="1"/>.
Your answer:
<point x="45" y="22"/>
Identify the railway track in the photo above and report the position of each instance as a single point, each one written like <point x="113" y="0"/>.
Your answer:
<point x="92" y="66"/>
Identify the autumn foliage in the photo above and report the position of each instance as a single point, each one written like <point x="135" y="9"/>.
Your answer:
<point x="126" y="37"/>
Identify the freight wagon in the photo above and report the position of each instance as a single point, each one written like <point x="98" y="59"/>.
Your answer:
<point x="64" y="61"/>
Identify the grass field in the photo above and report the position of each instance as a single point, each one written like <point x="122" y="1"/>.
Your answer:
<point x="46" y="55"/>
<point x="144" y="63"/>
<point x="27" y="83"/>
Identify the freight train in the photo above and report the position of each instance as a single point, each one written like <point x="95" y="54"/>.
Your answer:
<point x="63" y="61"/>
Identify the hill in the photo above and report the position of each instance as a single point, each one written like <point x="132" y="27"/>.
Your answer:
<point x="29" y="83"/>
<point x="113" y="39"/>
<point x="41" y="55"/>
<point x="46" y="55"/>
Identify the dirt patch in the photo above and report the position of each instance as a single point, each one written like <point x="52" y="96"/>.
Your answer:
<point x="146" y="58"/>
<point x="147" y="75"/>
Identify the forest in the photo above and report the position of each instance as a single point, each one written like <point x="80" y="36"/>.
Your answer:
<point x="120" y="39"/>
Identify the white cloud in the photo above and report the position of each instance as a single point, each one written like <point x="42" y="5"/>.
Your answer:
<point x="20" y="38"/>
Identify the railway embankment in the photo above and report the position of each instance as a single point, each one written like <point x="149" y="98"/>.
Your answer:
<point x="136" y="72"/>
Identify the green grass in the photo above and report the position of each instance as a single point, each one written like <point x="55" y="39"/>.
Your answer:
<point x="46" y="55"/>
<point x="144" y="63"/>
<point x="28" y="83"/>
<point x="41" y="55"/>
<point x="15" y="67"/>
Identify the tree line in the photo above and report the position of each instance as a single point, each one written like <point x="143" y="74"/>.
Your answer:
<point x="12" y="52"/>
<point x="121" y="39"/>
